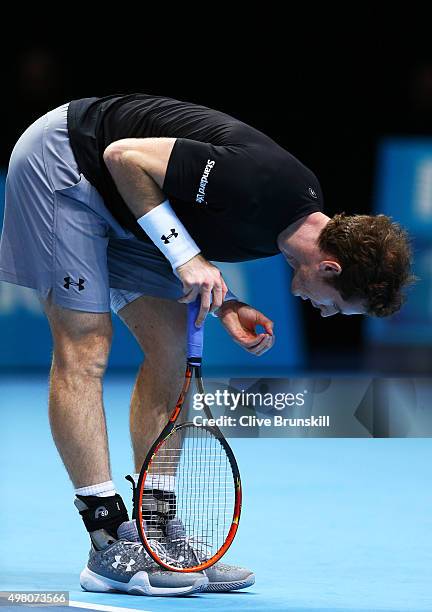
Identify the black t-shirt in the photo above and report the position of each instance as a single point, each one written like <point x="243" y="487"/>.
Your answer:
<point x="233" y="187"/>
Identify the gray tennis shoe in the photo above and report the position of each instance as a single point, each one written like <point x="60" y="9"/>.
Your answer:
<point x="125" y="566"/>
<point x="221" y="576"/>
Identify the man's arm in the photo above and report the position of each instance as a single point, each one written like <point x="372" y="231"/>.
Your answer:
<point x="138" y="167"/>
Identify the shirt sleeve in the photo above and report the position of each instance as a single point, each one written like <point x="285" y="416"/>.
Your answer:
<point x="213" y="176"/>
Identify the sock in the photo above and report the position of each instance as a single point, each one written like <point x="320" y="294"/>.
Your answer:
<point x="162" y="482"/>
<point x="103" y="489"/>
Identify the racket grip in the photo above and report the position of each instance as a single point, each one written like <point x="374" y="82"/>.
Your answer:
<point x="195" y="335"/>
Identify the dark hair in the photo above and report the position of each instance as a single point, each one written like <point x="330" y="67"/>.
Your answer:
<point x="375" y="256"/>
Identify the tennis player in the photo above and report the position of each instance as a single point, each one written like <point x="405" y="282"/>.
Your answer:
<point x="121" y="203"/>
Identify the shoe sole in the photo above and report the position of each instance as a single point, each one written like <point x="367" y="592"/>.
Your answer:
<point x="225" y="587"/>
<point x="139" y="584"/>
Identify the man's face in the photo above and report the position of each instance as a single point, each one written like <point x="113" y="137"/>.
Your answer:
<point x="310" y="283"/>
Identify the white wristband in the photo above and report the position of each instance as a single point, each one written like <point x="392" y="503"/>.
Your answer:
<point x="169" y="234"/>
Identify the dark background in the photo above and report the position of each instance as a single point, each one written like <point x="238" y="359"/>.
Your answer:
<point x="326" y="86"/>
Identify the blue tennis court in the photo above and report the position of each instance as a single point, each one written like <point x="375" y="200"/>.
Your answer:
<point x="328" y="524"/>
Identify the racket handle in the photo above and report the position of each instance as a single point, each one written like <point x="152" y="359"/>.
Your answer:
<point x="195" y="335"/>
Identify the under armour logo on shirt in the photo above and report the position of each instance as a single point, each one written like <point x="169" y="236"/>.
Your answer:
<point x="173" y="234"/>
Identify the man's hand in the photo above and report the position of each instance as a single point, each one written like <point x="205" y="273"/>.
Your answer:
<point x="241" y="320"/>
<point x="201" y="277"/>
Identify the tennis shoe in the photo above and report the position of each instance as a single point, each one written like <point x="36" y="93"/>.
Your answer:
<point x="125" y="566"/>
<point x="221" y="576"/>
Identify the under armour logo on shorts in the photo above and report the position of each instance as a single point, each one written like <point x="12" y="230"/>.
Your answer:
<point x="173" y="234"/>
<point x="68" y="282"/>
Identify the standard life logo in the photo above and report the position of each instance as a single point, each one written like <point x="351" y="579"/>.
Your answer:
<point x="203" y="182"/>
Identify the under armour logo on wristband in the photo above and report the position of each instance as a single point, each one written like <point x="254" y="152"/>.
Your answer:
<point x="68" y="282"/>
<point x="156" y="222"/>
<point x="173" y="234"/>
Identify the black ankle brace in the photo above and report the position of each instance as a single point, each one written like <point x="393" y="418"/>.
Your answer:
<point x="103" y="513"/>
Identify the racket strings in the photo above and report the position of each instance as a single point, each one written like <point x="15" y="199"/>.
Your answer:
<point x="195" y="521"/>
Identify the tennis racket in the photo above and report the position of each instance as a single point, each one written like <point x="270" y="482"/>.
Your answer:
<point x="189" y="483"/>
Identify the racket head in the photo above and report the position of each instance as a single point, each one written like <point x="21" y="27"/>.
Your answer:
<point x="203" y="520"/>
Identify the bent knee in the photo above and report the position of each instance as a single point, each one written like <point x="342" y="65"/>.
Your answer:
<point x="88" y="357"/>
<point x="85" y="354"/>
<point x="82" y="341"/>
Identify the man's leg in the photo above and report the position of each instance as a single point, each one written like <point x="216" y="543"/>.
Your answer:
<point x="81" y="347"/>
<point x="82" y="343"/>
<point x="160" y="328"/>
<point x="159" y="325"/>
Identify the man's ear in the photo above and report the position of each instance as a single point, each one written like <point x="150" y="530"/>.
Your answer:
<point x="330" y="268"/>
